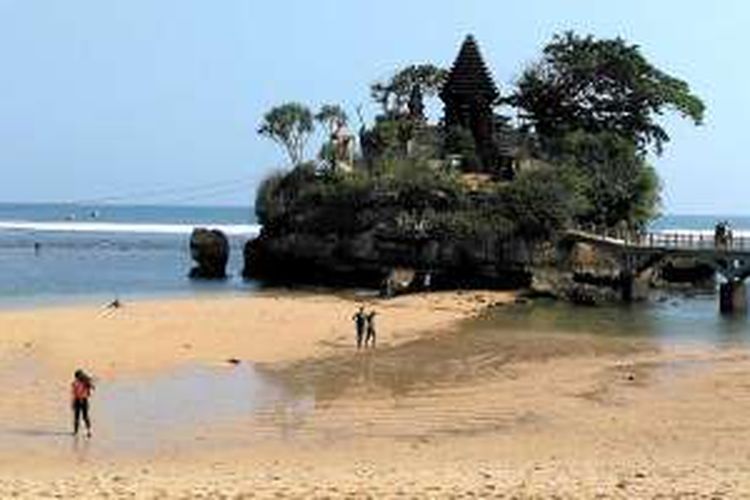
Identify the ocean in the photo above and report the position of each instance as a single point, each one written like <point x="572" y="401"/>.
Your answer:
<point x="99" y="252"/>
<point x="56" y="253"/>
<point x="701" y="223"/>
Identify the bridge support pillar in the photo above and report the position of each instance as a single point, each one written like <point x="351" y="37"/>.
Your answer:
<point x="733" y="297"/>
<point x="627" y="286"/>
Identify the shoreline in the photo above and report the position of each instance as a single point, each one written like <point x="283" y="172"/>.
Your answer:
<point x="437" y="410"/>
<point x="45" y="302"/>
<point x="181" y="320"/>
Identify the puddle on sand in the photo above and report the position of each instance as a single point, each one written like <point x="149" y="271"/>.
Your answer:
<point x="183" y="406"/>
<point x="211" y="406"/>
<point x="192" y="406"/>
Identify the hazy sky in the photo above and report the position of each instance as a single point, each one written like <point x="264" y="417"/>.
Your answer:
<point x="105" y="98"/>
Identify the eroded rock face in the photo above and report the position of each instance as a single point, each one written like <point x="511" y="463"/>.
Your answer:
<point x="369" y="259"/>
<point x="209" y="248"/>
<point x="584" y="275"/>
<point x="585" y="259"/>
<point x="578" y="289"/>
<point x="395" y="263"/>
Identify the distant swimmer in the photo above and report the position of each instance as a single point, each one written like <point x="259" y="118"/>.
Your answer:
<point x="37" y="247"/>
<point x="94" y="214"/>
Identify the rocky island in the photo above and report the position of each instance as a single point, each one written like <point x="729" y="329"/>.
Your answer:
<point x="483" y="196"/>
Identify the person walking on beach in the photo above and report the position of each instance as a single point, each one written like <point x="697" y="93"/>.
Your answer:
<point x="370" y="338"/>
<point x="81" y="392"/>
<point x="360" y="318"/>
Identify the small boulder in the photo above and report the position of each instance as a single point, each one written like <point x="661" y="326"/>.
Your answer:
<point x="397" y="282"/>
<point x="209" y="248"/>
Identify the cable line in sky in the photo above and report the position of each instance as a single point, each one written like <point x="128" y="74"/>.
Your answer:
<point x="190" y="192"/>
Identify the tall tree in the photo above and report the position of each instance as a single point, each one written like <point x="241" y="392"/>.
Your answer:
<point x="616" y="182"/>
<point x="289" y="125"/>
<point x="597" y="86"/>
<point x="394" y="95"/>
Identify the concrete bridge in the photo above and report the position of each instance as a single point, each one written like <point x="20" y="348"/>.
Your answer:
<point x="730" y="258"/>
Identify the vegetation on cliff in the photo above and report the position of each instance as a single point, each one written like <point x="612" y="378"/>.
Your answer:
<point x="577" y="154"/>
<point x="414" y="197"/>
<point x="582" y="84"/>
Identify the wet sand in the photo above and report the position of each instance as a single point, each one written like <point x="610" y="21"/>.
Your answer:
<point x="442" y="408"/>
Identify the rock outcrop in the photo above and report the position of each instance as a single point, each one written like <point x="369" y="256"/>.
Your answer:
<point x="575" y="272"/>
<point x="584" y="275"/>
<point x="209" y="248"/>
<point x="376" y="259"/>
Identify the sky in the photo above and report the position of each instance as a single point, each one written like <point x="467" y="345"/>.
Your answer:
<point x="158" y="101"/>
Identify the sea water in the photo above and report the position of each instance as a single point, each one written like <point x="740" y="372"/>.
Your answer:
<point x="689" y="315"/>
<point x="54" y="253"/>
<point x="61" y="253"/>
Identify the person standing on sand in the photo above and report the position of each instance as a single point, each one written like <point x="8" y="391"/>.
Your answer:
<point x="370" y="338"/>
<point x="80" y="394"/>
<point x="360" y="318"/>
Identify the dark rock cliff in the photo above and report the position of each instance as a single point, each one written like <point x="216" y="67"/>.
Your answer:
<point x="368" y="258"/>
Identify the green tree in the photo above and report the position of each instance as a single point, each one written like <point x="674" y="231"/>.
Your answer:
<point x="289" y="125"/>
<point x="616" y="182"/>
<point x="582" y="83"/>
<point x="268" y="206"/>
<point x="278" y="193"/>
<point x="393" y="95"/>
<point x="460" y="141"/>
<point x="540" y="202"/>
<point x="387" y="139"/>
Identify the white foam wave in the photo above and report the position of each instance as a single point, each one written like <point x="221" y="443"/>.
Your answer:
<point x="249" y="230"/>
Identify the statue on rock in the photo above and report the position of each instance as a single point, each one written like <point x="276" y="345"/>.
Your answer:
<point x="342" y="142"/>
<point x="416" y="104"/>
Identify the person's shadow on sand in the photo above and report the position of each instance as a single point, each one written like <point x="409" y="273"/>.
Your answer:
<point x="37" y="432"/>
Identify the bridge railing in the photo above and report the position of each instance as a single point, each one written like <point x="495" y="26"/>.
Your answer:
<point x="678" y="240"/>
<point x="688" y="241"/>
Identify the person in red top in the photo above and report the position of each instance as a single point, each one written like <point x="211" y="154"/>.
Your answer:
<point x="80" y="393"/>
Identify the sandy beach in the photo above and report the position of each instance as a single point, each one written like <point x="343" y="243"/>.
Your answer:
<point x="266" y="396"/>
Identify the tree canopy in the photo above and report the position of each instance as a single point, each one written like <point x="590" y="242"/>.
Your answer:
<point x="593" y="106"/>
<point x="393" y="95"/>
<point x="290" y="126"/>
<point x="613" y="183"/>
<point x="595" y="86"/>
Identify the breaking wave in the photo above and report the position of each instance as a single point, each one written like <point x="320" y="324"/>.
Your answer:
<point x="247" y="230"/>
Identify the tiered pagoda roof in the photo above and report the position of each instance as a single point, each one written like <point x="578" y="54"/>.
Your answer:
<point x="469" y="75"/>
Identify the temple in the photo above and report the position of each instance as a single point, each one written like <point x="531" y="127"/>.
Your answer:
<point x="469" y="95"/>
